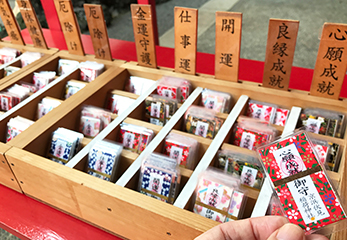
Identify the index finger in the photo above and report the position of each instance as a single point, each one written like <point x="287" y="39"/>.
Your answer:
<point x="259" y="228"/>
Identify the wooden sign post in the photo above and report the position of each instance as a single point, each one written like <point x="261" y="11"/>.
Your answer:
<point x="186" y="28"/>
<point x="10" y="23"/>
<point x="32" y="23"/>
<point x="331" y="63"/>
<point x="279" y="56"/>
<point x="144" y="36"/>
<point x="98" y="31"/>
<point x="71" y="30"/>
<point x="228" y="43"/>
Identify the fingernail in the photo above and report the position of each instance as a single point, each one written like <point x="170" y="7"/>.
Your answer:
<point x="290" y="231"/>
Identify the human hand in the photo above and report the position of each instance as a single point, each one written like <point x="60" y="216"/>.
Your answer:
<point x="260" y="228"/>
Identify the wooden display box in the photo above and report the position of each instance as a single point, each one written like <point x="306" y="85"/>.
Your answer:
<point x="28" y="107"/>
<point x="122" y="210"/>
<point x="17" y="61"/>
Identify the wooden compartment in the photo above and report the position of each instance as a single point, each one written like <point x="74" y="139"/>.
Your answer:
<point x="28" y="107"/>
<point x="117" y="207"/>
<point x="17" y="61"/>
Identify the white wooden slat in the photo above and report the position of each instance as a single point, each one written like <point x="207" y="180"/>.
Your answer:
<point x="205" y="161"/>
<point x="135" y="166"/>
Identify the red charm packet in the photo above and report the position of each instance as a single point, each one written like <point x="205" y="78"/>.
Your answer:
<point x="306" y="195"/>
<point x="250" y="133"/>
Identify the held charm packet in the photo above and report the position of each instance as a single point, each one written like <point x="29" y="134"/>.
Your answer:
<point x="244" y="166"/>
<point x="103" y="159"/>
<point x="202" y="122"/>
<point x="160" y="177"/>
<point x="218" y="196"/>
<point x="307" y="197"/>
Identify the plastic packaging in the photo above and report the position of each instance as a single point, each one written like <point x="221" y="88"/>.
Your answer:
<point x="135" y="138"/>
<point x="215" y="100"/>
<point x="17" y="125"/>
<point x="138" y="85"/>
<point x="306" y="194"/>
<point x="94" y="120"/>
<point x="183" y="149"/>
<point x="46" y="105"/>
<point x="160" y="109"/>
<point x="249" y="133"/>
<point x="65" y="65"/>
<point x="328" y="153"/>
<point x="160" y="177"/>
<point x="244" y="166"/>
<point x="118" y="104"/>
<point x="202" y="122"/>
<point x="218" y="196"/>
<point x="72" y="87"/>
<point x="174" y="88"/>
<point x="8" y="54"/>
<point x="103" y="159"/>
<point x="64" y="145"/>
<point x="323" y="122"/>
<point x="43" y="78"/>
<point x="90" y="70"/>
<point x="28" y="57"/>
<point x="262" y="111"/>
<point x="13" y="96"/>
<point x="9" y="70"/>
<point x="281" y="116"/>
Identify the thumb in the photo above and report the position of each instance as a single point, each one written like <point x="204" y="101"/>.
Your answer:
<point x="288" y="231"/>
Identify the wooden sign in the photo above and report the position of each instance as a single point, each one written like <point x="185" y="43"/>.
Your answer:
<point x="98" y="31"/>
<point x="71" y="30"/>
<point x="279" y="55"/>
<point x="32" y="23"/>
<point x="10" y="23"/>
<point x="186" y="27"/>
<point x="144" y="35"/>
<point x="331" y="63"/>
<point x="228" y="42"/>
